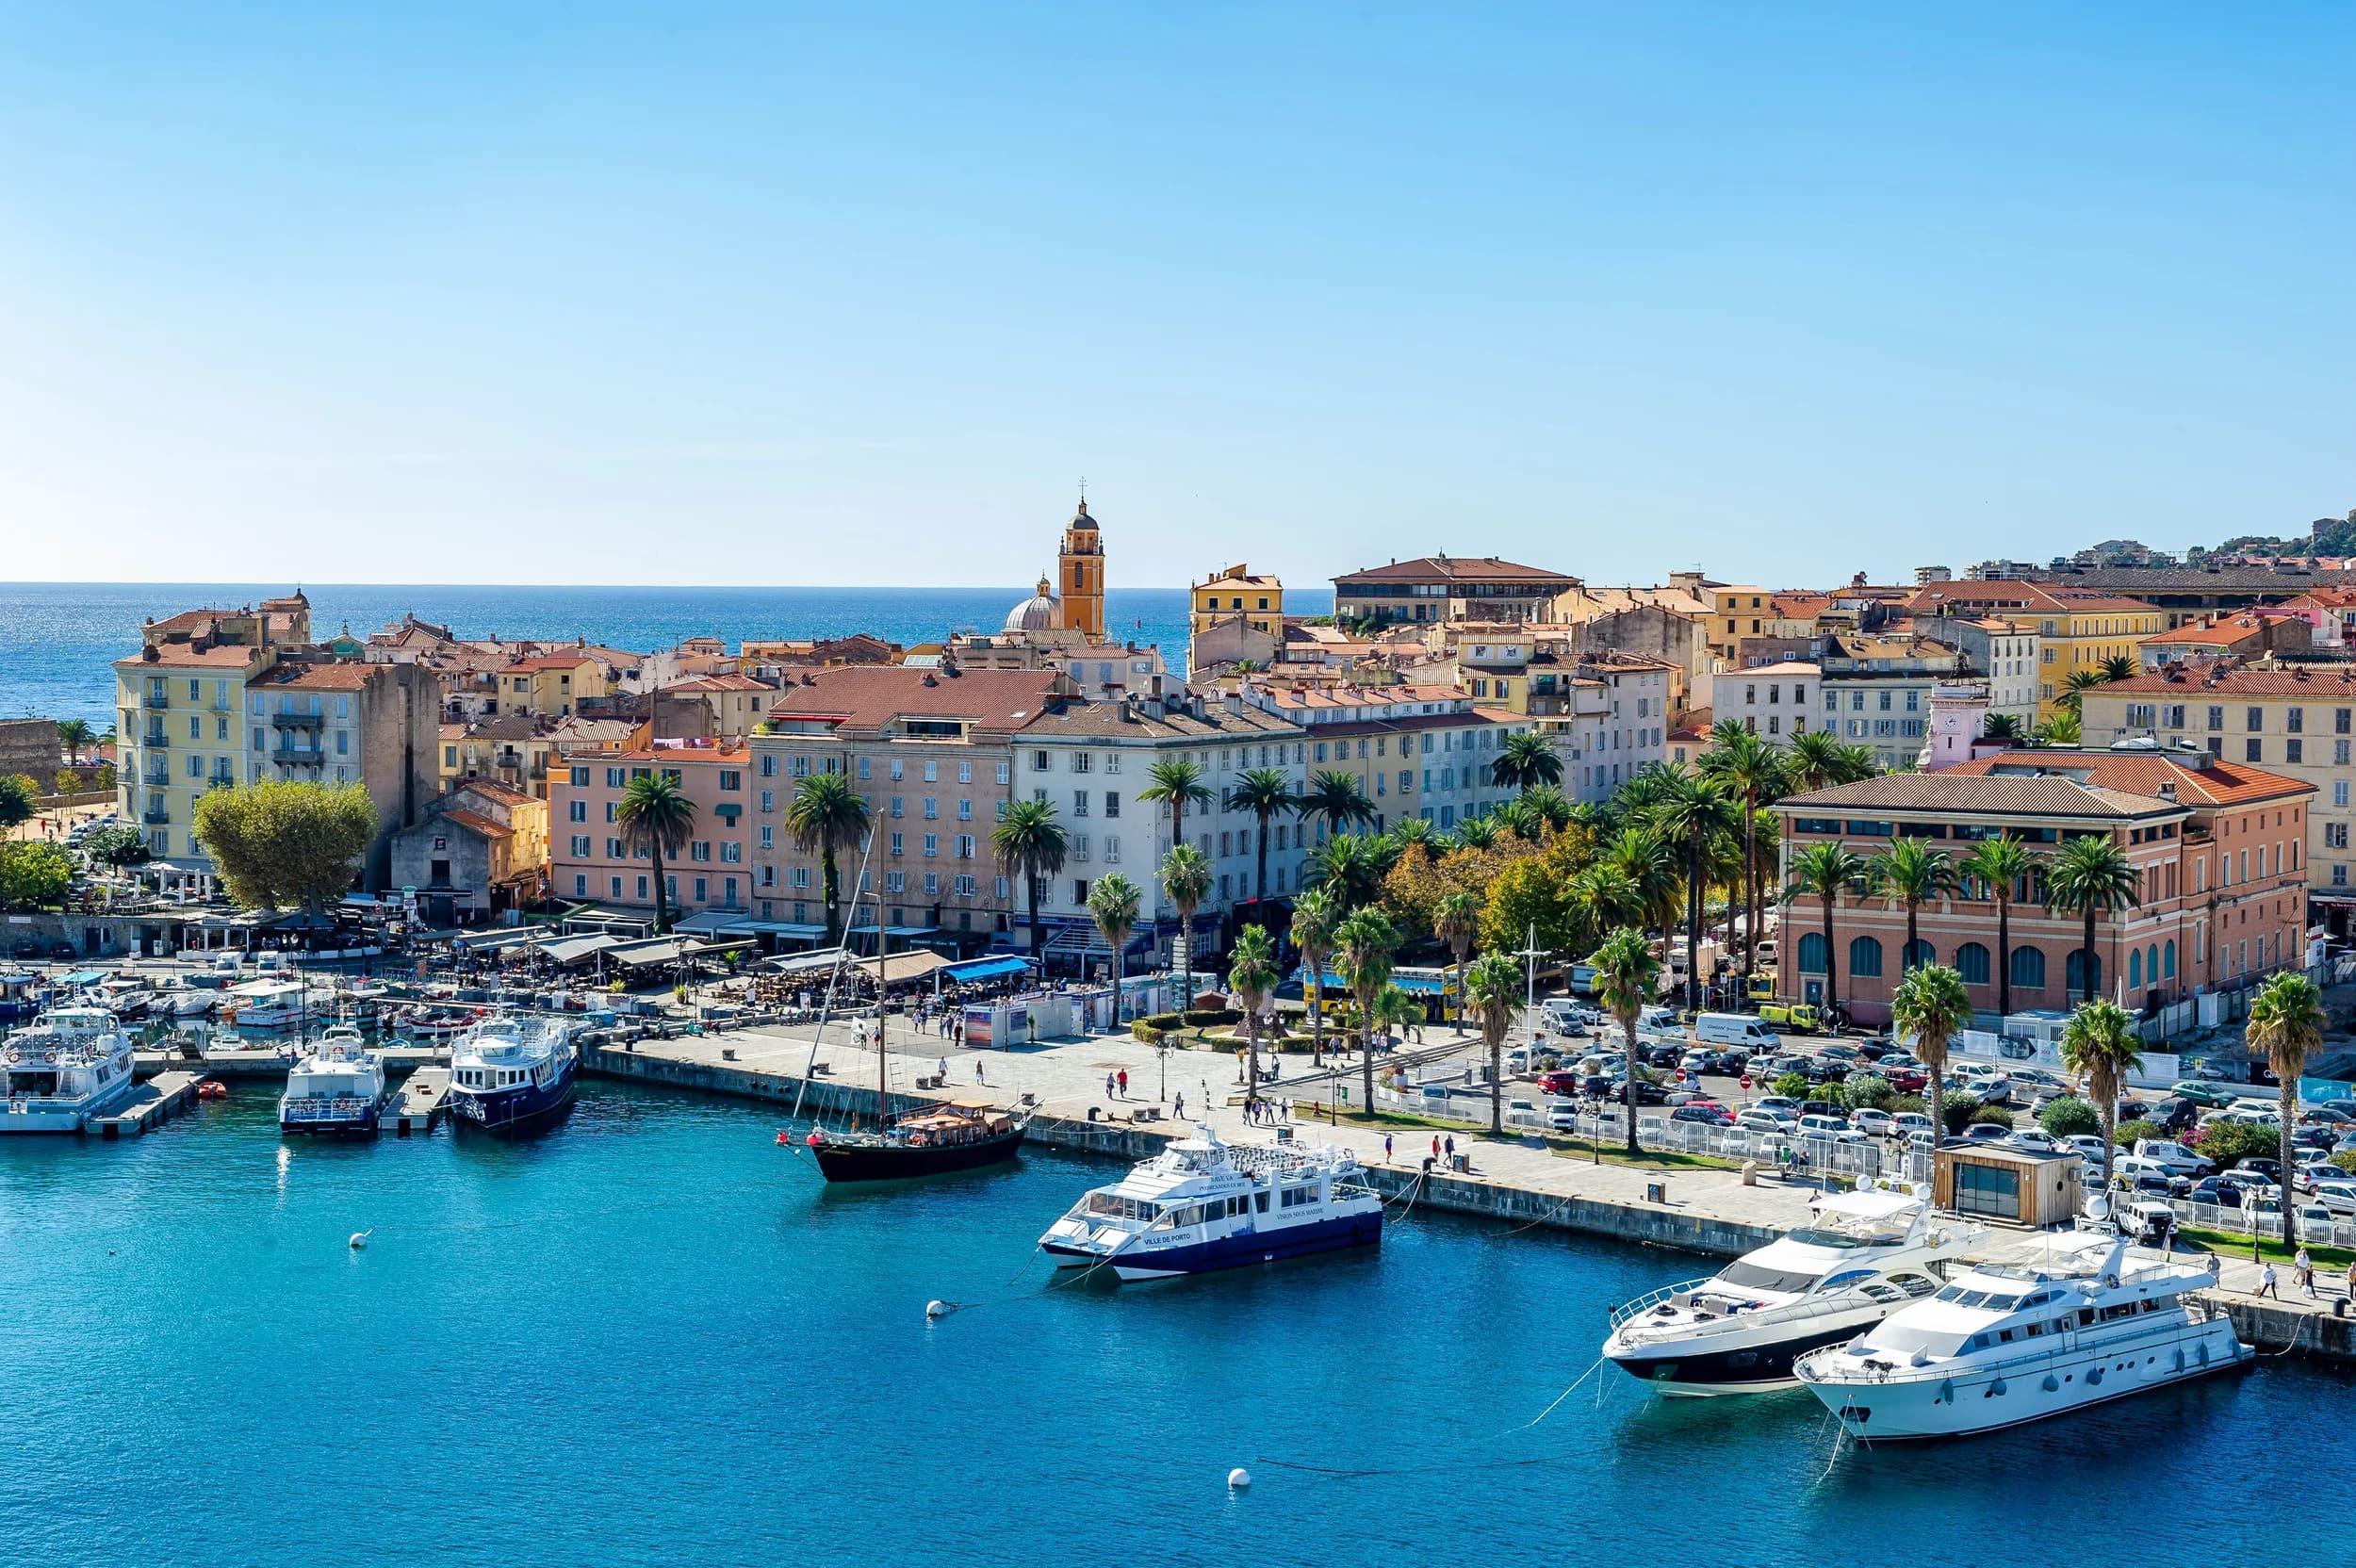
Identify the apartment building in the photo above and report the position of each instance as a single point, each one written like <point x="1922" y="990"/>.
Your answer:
<point x="1257" y="599"/>
<point x="2218" y="847"/>
<point x="590" y="859"/>
<point x="2077" y="629"/>
<point x="1607" y="717"/>
<point x="1415" y="751"/>
<point x="1875" y="692"/>
<point x="2005" y="653"/>
<point x="1777" y="701"/>
<point x="1447" y="588"/>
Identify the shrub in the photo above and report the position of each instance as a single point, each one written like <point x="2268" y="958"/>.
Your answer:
<point x="2126" y="1132"/>
<point x="1205" y="1018"/>
<point x="2229" y="1143"/>
<point x="2345" y="1160"/>
<point x="2069" y="1116"/>
<point x="1161" y="1020"/>
<point x="1986" y="1116"/>
<point x="1144" y="1031"/>
<point x="1957" y="1111"/>
<point x="1792" y="1085"/>
<point x="1871" y="1090"/>
<point x="1833" y="1098"/>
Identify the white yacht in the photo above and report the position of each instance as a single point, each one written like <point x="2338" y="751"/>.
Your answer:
<point x="337" y="1087"/>
<point x="1860" y="1257"/>
<point x="267" y="1004"/>
<point x="2086" y="1318"/>
<point x="73" y="1064"/>
<point x="1199" y="1205"/>
<point x="178" y="998"/>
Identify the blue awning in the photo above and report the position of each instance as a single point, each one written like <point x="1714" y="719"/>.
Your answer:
<point x="986" y="969"/>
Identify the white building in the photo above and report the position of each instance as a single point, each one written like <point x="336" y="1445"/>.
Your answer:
<point x="1777" y="701"/>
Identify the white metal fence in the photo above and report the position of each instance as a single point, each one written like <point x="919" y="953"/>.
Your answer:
<point x="2341" y="1232"/>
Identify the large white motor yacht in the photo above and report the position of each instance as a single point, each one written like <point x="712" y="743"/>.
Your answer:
<point x="2084" y="1319"/>
<point x="337" y="1087"/>
<point x="1860" y="1257"/>
<point x="73" y="1064"/>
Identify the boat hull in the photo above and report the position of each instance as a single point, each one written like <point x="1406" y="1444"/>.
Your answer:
<point x="521" y="1111"/>
<point x="1691" y="1368"/>
<point x="362" y="1124"/>
<point x="1240" y="1250"/>
<point x="61" y="1115"/>
<point x="868" y="1162"/>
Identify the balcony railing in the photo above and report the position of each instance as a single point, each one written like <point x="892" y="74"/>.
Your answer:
<point x="154" y="737"/>
<point x="155" y="816"/>
<point x="157" y="777"/>
<point x="297" y="721"/>
<point x="304" y="757"/>
<point x="155" y="697"/>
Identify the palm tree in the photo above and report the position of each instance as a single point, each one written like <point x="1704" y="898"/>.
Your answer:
<point x="1115" y="901"/>
<point x="1816" y="761"/>
<point x="1477" y="833"/>
<point x="76" y="736"/>
<point x="1519" y="818"/>
<point x="1363" y="945"/>
<point x="1414" y="833"/>
<point x="2075" y="688"/>
<point x="1856" y="761"/>
<point x="2098" y="1046"/>
<point x="657" y="819"/>
<point x="1824" y="871"/>
<point x="2286" y="1021"/>
<point x="1600" y="896"/>
<point x="1262" y="791"/>
<point x="2001" y="726"/>
<point x="2003" y="863"/>
<point x="1187" y="881"/>
<point x="825" y="814"/>
<point x="2118" y="666"/>
<point x="1251" y="976"/>
<point x="1348" y="864"/>
<point x="1337" y="797"/>
<point x="1641" y="856"/>
<point x="1755" y="772"/>
<point x="1627" y="974"/>
<point x="1524" y="760"/>
<point x="1029" y="839"/>
<point x="2063" y="729"/>
<point x="1549" y="805"/>
<point x="1316" y="915"/>
<point x="1179" y="782"/>
<point x="1494" y="988"/>
<point x="1395" y="1006"/>
<point x="1692" y="811"/>
<point x="1456" y="920"/>
<point x="2092" y="877"/>
<point x="1908" y="874"/>
<point x="1931" y="1006"/>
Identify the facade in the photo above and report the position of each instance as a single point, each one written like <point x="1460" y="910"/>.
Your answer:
<point x="2249" y="634"/>
<point x="2184" y="594"/>
<point x="2004" y="654"/>
<point x="1447" y="588"/>
<point x="480" y="850"/>
<point x="550" y="684"/>
<point x="2077" y="629"/>
<point x="29" y="747"/>
<point x="1608" y="718"/>
<point x="590" y="861"/>
<point x="1775" y="700"/>
<point x="343" y="723"/>
<point x="1876" y="692"/>
<point x="735" y="704"/>
<point x="1415" y="751"/>
<point x="1258" y="598"/>
<point x="2219" y="847"/>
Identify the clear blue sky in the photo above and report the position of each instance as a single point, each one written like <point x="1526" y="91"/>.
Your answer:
<point x="586" y="293"/>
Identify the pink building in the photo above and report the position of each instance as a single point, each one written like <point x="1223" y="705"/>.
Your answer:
<point x="589" y="857"/>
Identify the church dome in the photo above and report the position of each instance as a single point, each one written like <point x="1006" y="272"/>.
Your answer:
<point x="1041" y="612"/>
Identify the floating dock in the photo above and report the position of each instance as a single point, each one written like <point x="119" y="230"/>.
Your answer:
<point x="272" y="1063"/>
<point x="418" y="1104"/>
<point x="152" y="1104"/>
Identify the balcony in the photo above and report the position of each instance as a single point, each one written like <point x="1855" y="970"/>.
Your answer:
<point x="286" y="755"/>
<point x="155" y="697"/>
<point x="156" y="778"/>
<point x="157" y="816"/>
<point x="297" y="721"/>
<point x="154" y="737"/>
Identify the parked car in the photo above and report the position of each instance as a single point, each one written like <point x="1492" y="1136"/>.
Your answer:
<point x="2337" y="1194"/>
<point x="1911" y="1122"/>
<point x="1647" y="1093"/>
<point x="2143" y="1174"/>
<point x="1729" y="1064"/>
<point x="2174" y="1157"/>
<point x="1819" y="1128"/>
<point x="1707" y="1112"/>
<point x="1561" y="1081"/>
<point x="2201" y="1091"/>
<point x="1757" y="1121"/>
<point x="2034" y="1140"/>
<point x="2175" y="1114"/>
<point x="2087" y="1144"/>
<point x="1799" y="1016"/>
<point x="1865" y="1119"/>
<point x="1986" y="1131"/>
<point x="1562" y="1118"/>
<point x="1904" y="1078"/>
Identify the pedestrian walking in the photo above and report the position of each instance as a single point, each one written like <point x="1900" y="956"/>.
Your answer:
<point x="1125" y="1082"/>
<point x="1386" y="1149"/>
<point x="2306" y="1267"/>
<point x="941" y="1069"/>
<point x="977" y="1071"/>
<point x="1178" y="1107"/>
<point x="2265" y="1283"/>
<point x="1451" y="1149"/>
<point x="1108" y="1086"/>
<point x="1435" y="1145"/>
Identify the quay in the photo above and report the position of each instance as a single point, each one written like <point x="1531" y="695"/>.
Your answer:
<point x="152" y="1103"/>
<point x="419" y="1104"/>
<point x="273" y="1062"/>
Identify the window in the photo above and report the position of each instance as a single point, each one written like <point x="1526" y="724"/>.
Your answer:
<point x="1812" y="953"/>
<point x="2335" y="833"/>
<point x="1079" y="803"/>
<point x="932" y="845"/>
<point x="1112" y="800"/>
<point x="965" y="845"/>
<point x="932" y="808"/>
<point x="2254" y="750"/>
<point x="1972" y="963"/>
<point x="2216" y="718"/>
<point x="731" y="778"/>
<point x="768" y="764"/>
<point x="1865" y="958"/>
<point x="2295" y="720"/>
<point x="577" y="811"/>
<point x="1040" y="762"/>
<point x="2073" y="973"/>
<point x="2028" y="968"/>
<point x="1987" y="1189"/>
<point x="865" y="768"/>
<point x="1919" y="955"/>
<point x="2253" y="719"/>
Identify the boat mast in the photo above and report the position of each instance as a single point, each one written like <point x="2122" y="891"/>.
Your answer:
<point x="883" y="1062"/>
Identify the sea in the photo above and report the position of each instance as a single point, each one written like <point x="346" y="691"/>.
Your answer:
<point x="58" y="640"/>
<point x="654" y="1336"/>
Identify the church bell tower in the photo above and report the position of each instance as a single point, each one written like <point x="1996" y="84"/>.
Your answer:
<point x="1083" y="563"/>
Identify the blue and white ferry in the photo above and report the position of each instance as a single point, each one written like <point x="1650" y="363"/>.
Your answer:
<point x="73" y="1065"/>
<point x="1199" y="1205"/>
<point x="513" y="1075"/>
<point x="336" y="1089"/>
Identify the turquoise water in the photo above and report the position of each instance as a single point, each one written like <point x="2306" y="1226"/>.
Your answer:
<point x="653" y="1338"/>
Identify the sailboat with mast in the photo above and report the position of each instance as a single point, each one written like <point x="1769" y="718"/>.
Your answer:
<point x="959" y="1135"/>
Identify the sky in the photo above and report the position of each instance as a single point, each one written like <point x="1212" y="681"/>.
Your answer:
<point x="771" y="294"/>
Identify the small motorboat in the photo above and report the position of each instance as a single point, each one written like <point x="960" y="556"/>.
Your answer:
<point x="211" y="1088"/>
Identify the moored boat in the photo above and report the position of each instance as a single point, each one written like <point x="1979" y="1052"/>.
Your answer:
<point x="513" y="1076"/>
<point x="336" y="1089"/>
<point x="73" y="1065"/>
<point x="963" y="1135"/>
<point x="267" y="1004"/>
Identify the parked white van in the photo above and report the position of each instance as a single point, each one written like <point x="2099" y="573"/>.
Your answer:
<point x="1735" y="1029"/>
<point x="2174" y="1157"/>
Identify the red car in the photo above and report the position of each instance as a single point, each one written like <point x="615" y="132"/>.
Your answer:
<point x="1558" y="1083"/>
<point x="1908" y="1080"/>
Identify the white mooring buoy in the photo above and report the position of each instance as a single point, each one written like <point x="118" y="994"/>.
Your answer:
<point x="936" y="1309"/>
<point x="360" y="1239"/>
<point x="1238" y="1479"/>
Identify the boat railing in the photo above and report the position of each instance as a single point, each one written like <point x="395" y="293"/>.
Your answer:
<point x="1645" y="1303"/>
<point x="2073" y="1345"/>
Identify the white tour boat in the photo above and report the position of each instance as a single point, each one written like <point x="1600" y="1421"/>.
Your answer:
<point x="73" y="1064"/>
<point x="1859" y="1258"/>
<point x="337" y="1087"/>
<point x="1199" y="1205"/>
<point x="267" y="1004"/>
<point x="2087" y="1319"/>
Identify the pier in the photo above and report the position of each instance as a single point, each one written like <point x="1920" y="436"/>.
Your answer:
<point x="419" y="1104"/>
<point x="272" y="1063"/>
<point x="152" y="1104"/>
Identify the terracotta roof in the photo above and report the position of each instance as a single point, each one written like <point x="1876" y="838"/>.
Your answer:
<point x="551" y="661"/>
<point x="482" y="824"/>
<point x="1126" y="722"/>
<point x="869" y="697"/>
<point x="184" y="656"/>
<point x="720" y="683"/>
<point x="2014" y="594"/>
<point x="2140" y="772"/>
<point x="1452" y="568"/>
<point x="318" y="677"/>
<point x="2331" y="683"/>
<point x="1953" y="793"/>
<point x="2229" y="629"/>
<point x="491" y="789"/>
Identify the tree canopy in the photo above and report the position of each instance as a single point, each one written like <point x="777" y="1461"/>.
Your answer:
<point x="284" y="843"/>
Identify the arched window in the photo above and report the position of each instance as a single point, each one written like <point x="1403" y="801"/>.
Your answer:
<point x="1972" y="963"/>
<point x="2168" y="960"/>
<point x="2135" y="969"/>
<point x="1865" y="958"/>
<point x="1812" y="953"/>
<point x="2075" y="971"/>
<point x="2152" y="963"/>
<point x="1919" y="955"/>
<point x="2028" y="968"/>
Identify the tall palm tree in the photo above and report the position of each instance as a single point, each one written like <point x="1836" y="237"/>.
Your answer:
<point x="2286" y="1021"/>
<point x="1626" y="973"/>
<point x="1317" y="914"/>
<point x="1114" y="902"/>
<point x="2003" y="863"/>
<point x="1346" y="863"/>
<point x="1029" y="839"/>
<point x="1755" y="772"/>
<point x="2001" y="726"/>
<point x="1692" y="811"/>
<point x="1856" y="761"/>
<point x="1337" y="799"/>
<point x="1251" y="976"/>
<point x="657" y="819"/>
<point x="1414" y="833"/>
<point x="1648" y="862"/>
<point x="1600" y="896"/>
<point x="2091" y="878"/>
<point x="76" y="736"/>
<point x="1397" y="1007"/>
<point x="1262" y="791"/>
<point x="1909" y="873"/>
<point x="2098" y="1046"/>
<point x="1824" y="871"/>
<point x="1187" y="881"/>
<point x="1363" y="945"/>
<point x="1526" y="759"/>
<point x="1931" y="1006"/>
<point x="1494" y="988"/>
<point x="1456" y="920"/>
<point x="1549" y="805"/>
<point x="1177" y="782"/>
<point x="825" y="814"/>
<point x="1816" y="762"/>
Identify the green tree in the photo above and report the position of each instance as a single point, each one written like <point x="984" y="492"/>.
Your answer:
<point x="1692" y="811"/>
<point x="2098" y="1046"/>
<point x="1336" y="798"/>
<point x="1824" y="871"/>
<point x="1651" y="864"/>
<point x="1262" y="791"/>
<point x="1820" y="760"/>
<point x="1398" y="1008"/>
<point x="1597" y="898"/>
<point x="2069" y="1116"/>
<point x="1525" y="759"/>
<point x="2003" y="865"/>
<point x="1492" y="990"/>
<point x="1755" y="772"/>
<point x="1250" y="977"/>
<point x="20" y="798"/>
<point x="825" y="815"/>
<point x="76" y="737"/>
<point x="1316" y="915"/>
<point x="1349" y="864"/>
<point x="1930" y="1007"/>
<point x="33" y="874"/>
<point x="1456" y="920"/>
<point x="1527" y="897"/>
<point x="1627" y="974"/>
<point x="657" y="820"/>
<point x="2118" y="666"/>
<point x="2286" y="1021"/>
<point x="1175" y="782"/>
<point x="1185" y="882"/>
<point x="1362" y="946"/>
<point x="1114" y="902"/>
<point x="119" y="845"/>
<point x="1030" y="843"/>
<point x="2001" y="726"/>
<point x="2091" y="878"/>
<point x="1549" y="806"/>
<point x="2063" y="729"/>
<point x="284" y="843"/>
<point x="1908" y="874"/>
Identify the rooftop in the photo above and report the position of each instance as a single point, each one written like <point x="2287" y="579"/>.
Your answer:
<point x="1450" y="568"/>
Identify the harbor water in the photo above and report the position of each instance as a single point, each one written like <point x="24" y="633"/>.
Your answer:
<point x="652" y="1337"/>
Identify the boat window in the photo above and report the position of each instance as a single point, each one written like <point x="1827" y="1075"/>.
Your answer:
<point x="1970" y="1298"/>
<point x="2033" y="1329"/>
<point x="1261" y="1200"/>
<point x="1880" y="1292"/>
<point x="1913" y="1284"/>
<point x="1750" y="1276"/>
<point x="1952" y="1293"/>
<point x="2003" y="1303"/>
<point x="1298" y="1197"/>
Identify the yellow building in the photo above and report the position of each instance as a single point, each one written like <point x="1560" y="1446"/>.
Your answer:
<point x="1236" y="592"/>
<point x="2075" y="632"/>
<point x="1738" y="610"/>
<point x="550" y="684"/>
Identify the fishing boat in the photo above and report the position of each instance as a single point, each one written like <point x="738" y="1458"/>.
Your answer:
<point x="436" y="1024"/>
<point x="513" y="1076"/>
<point x="20" y="995"/>
<point x="1201" y="1205"/>
<point x="122" y="995"/>
<point x="267" y="1004"/>
<point x="72" y="1066"/>
<point x="336" y="1089"/>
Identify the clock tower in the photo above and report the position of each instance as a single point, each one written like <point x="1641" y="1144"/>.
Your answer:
<point x="1083" y="575"/>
